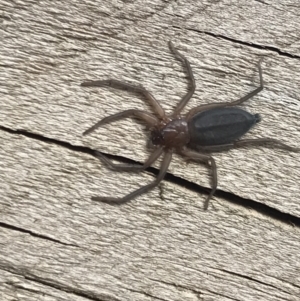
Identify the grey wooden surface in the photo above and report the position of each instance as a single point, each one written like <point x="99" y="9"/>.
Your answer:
<point x="55" y="243"/>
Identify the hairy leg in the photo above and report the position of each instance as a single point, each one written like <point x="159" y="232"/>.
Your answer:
<point x="264" y="141"/>
<point x="247" y="143"/>
<point x="210" y="106"/>
<point x="191" y="91"/>
<point x="163" y="170"/>
<point x="138" y="89"/>
<point x="145" y="116"/>
<point x="130" y="167"/>
<point x="207" y="160"/>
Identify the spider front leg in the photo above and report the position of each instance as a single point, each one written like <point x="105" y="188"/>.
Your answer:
<point x="207" y="160"/>
<point x="117" y="201"/>
<point x="118" y="84"/>
<point x="145" y="116"/>
<point x="192" y="89"/>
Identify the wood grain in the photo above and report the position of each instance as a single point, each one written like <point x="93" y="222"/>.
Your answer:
<point x="55" y="243"/>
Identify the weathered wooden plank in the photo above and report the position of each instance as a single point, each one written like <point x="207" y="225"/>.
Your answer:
<point x="54" y="54"/>
<point x="17" y="287"/>
<point x="162" y="247"/>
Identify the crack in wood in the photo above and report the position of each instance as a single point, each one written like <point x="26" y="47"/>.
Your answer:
<point x="231" y="198"/>
<point x="38" y="235"/>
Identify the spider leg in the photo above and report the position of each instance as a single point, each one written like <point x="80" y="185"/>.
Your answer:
<point x="264" y="141"/>
<point x="130" y="167"/>
<point x="121" y="85"/>
<point x="210" y="106"/>
<point x="208" y="160"/>
<point x="248" y="142"/>
<point x="191" y="78"/>
<point x="163" y="170"/>
<point x="145" y="116"/>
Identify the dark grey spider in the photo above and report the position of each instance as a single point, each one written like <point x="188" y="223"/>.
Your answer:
<point x="204" y="129"/>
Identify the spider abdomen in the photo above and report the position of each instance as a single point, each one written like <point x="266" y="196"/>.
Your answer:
<point x="220" y="126"/>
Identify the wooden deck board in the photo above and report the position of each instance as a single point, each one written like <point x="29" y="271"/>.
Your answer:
<point x="161" y="246"/>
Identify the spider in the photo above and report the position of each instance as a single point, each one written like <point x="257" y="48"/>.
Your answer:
<point x="204" y="129"/>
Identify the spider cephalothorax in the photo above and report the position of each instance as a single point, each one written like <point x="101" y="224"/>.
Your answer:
<point x="173" y="134"/>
